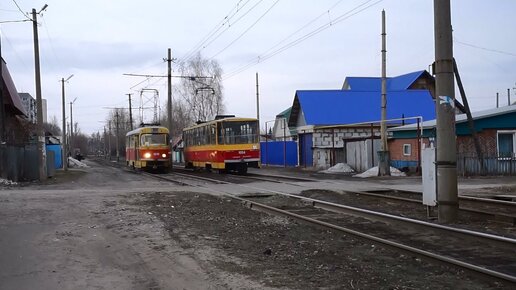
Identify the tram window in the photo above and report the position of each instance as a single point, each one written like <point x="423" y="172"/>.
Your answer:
<point x="154" y="139"/>
<point x="238" y="132"/>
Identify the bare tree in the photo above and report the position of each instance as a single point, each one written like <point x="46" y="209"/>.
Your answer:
<point x="202" y="97"/>
<point x="52" y="127"/>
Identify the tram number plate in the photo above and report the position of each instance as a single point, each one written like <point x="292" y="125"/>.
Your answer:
<point x="241" y="152"/>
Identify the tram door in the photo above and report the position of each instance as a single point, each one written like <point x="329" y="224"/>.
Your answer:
<point x="305" y="150"/>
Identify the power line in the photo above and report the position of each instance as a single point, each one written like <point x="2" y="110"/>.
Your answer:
<point x="264" y="57"/>
<point x="221" y="32"/>
<point x="29" y="19"/>
<point x="215" y="29"/>
<point x="484" y="48"/>
<point x="245" y="31"/>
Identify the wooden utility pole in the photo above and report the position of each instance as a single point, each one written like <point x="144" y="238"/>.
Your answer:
<point x="42" y="158"/>
<point x="130" y="113"/>
<point x="383" y="155"/>
<point x="109" y="139"/>
<point x="471" y="123"/>
<point x="446" y="159"/>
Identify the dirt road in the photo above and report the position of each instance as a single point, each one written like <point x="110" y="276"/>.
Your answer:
<point x="67" y="235"/>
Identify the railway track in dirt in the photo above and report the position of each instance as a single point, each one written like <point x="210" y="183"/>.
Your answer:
<point x="482" y="254"/>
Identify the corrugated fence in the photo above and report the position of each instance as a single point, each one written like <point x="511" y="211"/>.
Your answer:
<point x="493" y="165"/>
<point x="19" y="163"/>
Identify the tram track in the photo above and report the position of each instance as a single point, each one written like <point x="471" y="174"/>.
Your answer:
<point x="480" y="253"/>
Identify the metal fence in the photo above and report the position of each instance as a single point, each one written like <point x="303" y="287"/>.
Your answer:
<point x="283" y="153"/>
<point x="19" y="163"/>
<point x="492" y="165"/>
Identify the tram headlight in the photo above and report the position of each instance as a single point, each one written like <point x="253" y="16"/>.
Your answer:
<point x="164" y="155"/>
<point x="146" y="155"/>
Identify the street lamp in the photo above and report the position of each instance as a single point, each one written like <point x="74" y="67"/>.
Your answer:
<point x="71" y="125"/>
<point x="65" y="157"/>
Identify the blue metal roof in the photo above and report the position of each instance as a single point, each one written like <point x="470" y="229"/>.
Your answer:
<point x="333" y="107"/>
<point x="399" y="83"/>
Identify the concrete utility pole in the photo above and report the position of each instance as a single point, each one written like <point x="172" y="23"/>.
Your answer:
<point x="116" y="139"/>
<point x="258" y="106"/>
<point x="446" y="160"/>
<point x="130" y="113"/>
<point x="169" y="107"/>
<point x="42" y="158"/>
<point x="384" y="168"/>
<point x="71" y="126"/>
<point x="109" y="140"/>
<point x="65" y="156"/>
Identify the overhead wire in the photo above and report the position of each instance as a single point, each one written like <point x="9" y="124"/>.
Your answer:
<point x="205" y="45"/>
<point x="21" y="11"/>
<point x="245" y="31"/>
<point x="216" y="28"/>
<point x="263" y="57"/>
<point x="484" y="48"/>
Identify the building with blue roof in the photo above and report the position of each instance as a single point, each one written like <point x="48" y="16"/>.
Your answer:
<point x="342" y="125"/>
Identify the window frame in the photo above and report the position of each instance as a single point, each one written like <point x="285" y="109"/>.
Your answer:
<point x="513" y="133"/>
<point x="409" y="146"/>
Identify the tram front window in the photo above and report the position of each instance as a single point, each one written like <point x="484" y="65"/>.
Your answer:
<point x="154" y="139"/>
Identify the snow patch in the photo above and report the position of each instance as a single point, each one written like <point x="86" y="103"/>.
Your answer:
<point x="76" y="163"/>
<point x="339" y="168"/>
<point x="374" y="172"/>
<point x="7" y="182"/>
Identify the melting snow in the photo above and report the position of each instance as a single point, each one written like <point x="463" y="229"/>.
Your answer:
<point x="76" y="163"/>
<point x="374" y="172"/>
<point x="7" y="182"/>
<point x="339" y="168"/>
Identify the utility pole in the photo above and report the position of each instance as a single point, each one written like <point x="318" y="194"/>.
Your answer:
<point x="116" y="139"/>
<point x="258" y="106"/>
<point x="508" y="97"/>
<point x="109" y="140"/>
<point x="71" y="126"/>
<point x="42" y="158"/>
<point x="130" y="113"/>
<point x="497" y="101"/>
<point x="446" y="159"/>
<point x="384" y="168"/>
<point x="65" y="156"/>
<point x="169" y="107"/>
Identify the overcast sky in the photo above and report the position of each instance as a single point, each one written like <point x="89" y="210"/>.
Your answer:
<point x="99" y="40"/>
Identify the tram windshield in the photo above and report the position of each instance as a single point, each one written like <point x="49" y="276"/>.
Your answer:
<point x="239" y="132"/>
<point x="154" y="139"/>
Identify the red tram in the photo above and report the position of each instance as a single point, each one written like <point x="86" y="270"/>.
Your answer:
<point x="148" y="148"/>
<point x="226" y="144"/>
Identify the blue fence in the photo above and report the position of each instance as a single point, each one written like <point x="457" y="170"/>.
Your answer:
<point x="278" y="153"/>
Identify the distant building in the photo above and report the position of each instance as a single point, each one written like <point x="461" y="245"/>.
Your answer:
<point x="29" y="103"/>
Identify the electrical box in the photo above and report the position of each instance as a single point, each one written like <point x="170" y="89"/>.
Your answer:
<point x="429" y="176"/>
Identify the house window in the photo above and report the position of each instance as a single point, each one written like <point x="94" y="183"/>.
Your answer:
<point x="506" y="143"/>
<point x="407" y="149"/>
